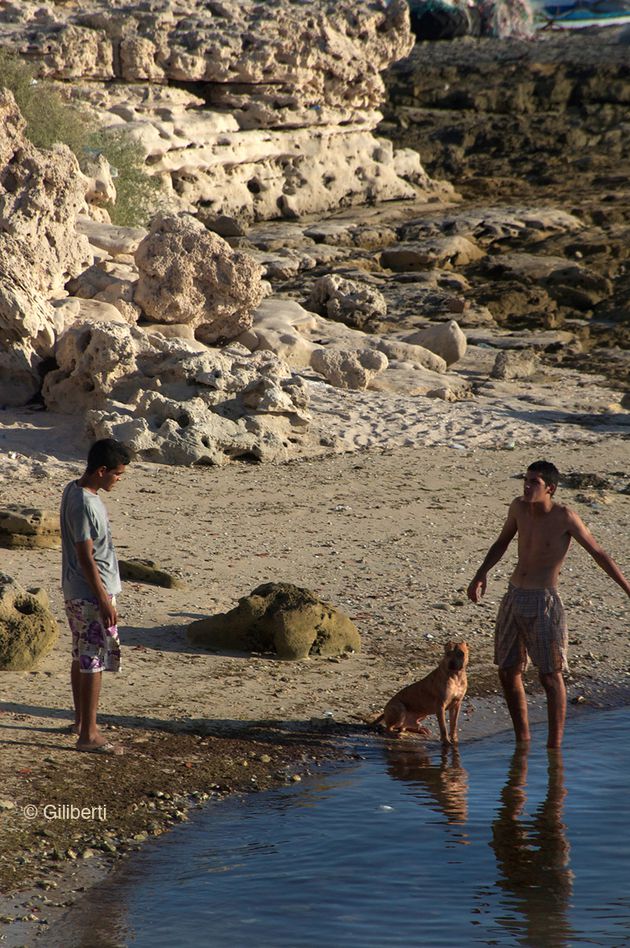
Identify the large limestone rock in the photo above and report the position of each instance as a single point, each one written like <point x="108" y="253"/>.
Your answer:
<point x="174" y="401"/>
<point x="190" y="275"/>
<point x="41" y="194"/>
<point x="27" y="321"/>
<point x="280" y="618"/>
<point x="92" y="359"/>
<point x="314" y="53"/>
<point x="197" y="431"/>
<point x="28" y="629"/>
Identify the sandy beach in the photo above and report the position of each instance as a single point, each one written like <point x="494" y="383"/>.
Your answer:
<point x="391" y="500"/>
<point x="390" y="536"/>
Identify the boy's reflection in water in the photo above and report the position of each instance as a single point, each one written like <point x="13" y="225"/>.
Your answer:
<point x="533" y="857"/>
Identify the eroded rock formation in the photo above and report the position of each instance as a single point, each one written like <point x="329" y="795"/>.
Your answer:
<point x="28" y="629"/>
<point x="41" y="195"/>
<point x="174" y="401"/>
<point x="29" y="528"/>
<point x="189" y="275"/>
<point x="248" y="109"/>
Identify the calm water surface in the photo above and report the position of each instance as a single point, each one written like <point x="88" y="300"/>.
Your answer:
<point x="410" y="846"/>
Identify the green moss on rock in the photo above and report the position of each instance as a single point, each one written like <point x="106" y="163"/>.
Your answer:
<point x="281" y="618"/>
<point x="28" y="629"/>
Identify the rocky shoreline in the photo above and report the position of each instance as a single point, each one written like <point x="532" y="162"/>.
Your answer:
<point x="543" y="122"/>
<point x="52" y="869"/>
<point x="408" y="359"/>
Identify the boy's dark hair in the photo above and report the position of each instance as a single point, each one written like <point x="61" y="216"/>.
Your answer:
<point x="548" y="471"/>
<point x="107" y="453"/>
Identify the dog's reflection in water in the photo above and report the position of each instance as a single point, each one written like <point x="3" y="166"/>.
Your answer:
<point x="532" y="855"/>
<point x="442" y="777"/>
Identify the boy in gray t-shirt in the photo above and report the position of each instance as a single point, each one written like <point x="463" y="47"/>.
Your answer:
<point x="84" y="517"/>
<point x="90" y="582"/>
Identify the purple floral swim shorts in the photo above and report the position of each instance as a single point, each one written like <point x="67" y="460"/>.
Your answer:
<point x="96" y="648"/>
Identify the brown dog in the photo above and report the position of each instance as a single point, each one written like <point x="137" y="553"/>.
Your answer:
<point x="443" y="688"/>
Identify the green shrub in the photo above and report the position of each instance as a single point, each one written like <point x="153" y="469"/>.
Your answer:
<point x="51" y="118"/>
<point x="136" y="191"/>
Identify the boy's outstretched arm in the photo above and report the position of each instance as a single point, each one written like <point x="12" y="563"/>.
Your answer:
<point x="580" y="532"/>
<point x="477" y="586"/>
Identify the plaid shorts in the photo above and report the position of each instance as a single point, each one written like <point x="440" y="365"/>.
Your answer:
<point x="531" y="623"/>
<point x="96" y="648"/>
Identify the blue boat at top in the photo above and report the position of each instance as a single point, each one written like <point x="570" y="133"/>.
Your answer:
<point x="582" y="13"/>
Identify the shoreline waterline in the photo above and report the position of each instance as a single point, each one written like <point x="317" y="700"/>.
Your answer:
<point x="483" y="717"/>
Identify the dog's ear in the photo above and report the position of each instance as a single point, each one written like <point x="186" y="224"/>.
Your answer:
<point x="449" y="647"/>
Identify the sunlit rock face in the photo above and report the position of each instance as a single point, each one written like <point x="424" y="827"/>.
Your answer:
<point x="258" y="110"/>
<point x="41" y="195"/>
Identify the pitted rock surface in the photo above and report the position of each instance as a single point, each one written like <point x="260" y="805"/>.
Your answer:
<point x="28" y="629"/>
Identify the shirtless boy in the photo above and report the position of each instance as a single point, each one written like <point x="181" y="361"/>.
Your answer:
<point x="531" y="620"/>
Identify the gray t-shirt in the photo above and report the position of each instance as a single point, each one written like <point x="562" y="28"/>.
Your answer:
<point x="83" y="517"/>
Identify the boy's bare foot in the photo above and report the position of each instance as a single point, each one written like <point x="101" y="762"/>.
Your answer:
<point x="100" y="747"/>
<point x="98" y="744"/>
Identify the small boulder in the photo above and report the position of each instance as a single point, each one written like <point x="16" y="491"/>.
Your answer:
<point x="28" y="528"/>
<point x="146" y="571"/>
<point x="280" y="618"/>
<point x="349" y="369"/>
<point x="28" y="629"/>
<point x="511" y="364"/>
<point x="444" y="339"/>
<point x="347" y="301"/>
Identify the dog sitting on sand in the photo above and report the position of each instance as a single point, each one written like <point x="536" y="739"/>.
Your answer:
<point x="443" y="689"/>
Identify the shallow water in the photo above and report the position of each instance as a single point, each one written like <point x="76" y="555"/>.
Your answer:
<point x="409" y="846"/>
